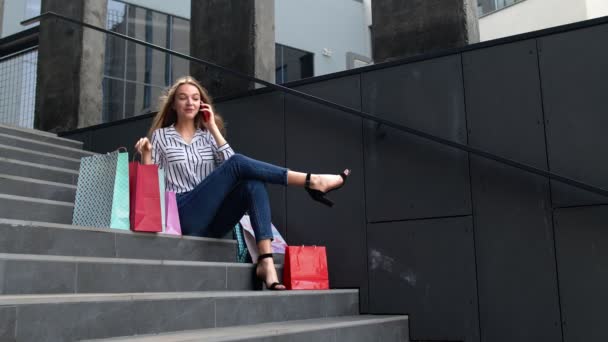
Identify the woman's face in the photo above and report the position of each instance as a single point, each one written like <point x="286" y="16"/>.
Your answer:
<point x="187" y="102"/>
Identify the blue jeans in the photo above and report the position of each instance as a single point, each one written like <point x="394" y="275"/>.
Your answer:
<point x="215" y="205"/>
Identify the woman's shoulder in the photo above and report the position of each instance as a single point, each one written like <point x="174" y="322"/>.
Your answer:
<point x="162" y="131"/>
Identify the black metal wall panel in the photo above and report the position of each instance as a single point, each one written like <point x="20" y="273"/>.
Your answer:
<point x="516" y="271"/>
<point x="322" y="140"/>
<point x="85" y="137"/>
<point x="582" y="258"/>
<point x="112" y="137"/>
<point x="408" y="177"/>
<point x="109" y="138"/>
<point x="574" y="70"/>
<point x="426" y="268"/>
<point x="504" y="105"/>
<point x="256" y="128"/>
<point x="516" y="265"/>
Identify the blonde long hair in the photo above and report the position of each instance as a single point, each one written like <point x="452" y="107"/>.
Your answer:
<point x="167" y="116"/>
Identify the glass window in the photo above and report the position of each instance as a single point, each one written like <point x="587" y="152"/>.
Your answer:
<point x="180" y="42"/>
<point x="487" y="6"/>
<point x="113" y="98"/>
<point x="141" y="98"/>
<point x="144" y="64"/>
<point x="116" y="47"/>
<point x="292" y="64"/>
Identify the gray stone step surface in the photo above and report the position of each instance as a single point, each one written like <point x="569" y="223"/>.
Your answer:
<point x="28" y="208"/>
<point x="363" y="328"/>
<point x="43" y="318"/>
<point x="30" y="187"/>
<point x="37" y="171"/>
<point x="27" y="237"/>
<point x="39" y="146"/>
<point x="42" y="158"/>
<point x="39" y="136"/>
<point x="46" y="274"/>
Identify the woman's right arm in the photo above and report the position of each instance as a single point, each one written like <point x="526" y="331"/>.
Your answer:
<point x="152" y="152"/>
<point x="144" y="148"/>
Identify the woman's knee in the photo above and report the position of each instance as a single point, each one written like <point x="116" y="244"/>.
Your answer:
<point x="236" y="158"/>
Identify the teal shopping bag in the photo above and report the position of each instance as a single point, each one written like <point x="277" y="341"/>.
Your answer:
<point x="102" y="192"/>
<point x="119" y="218"/>
<point x="242" y="254"/>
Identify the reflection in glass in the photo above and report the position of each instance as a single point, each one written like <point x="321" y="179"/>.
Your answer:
<point x="144" y="64"/>
<point x="487" y="6"/>
<point x="113" y="95"/>
<point x="292" y="64"/>
<point x="141" y="98"/>
<point x="180" y="42"/>
<point x="115" y="47"/>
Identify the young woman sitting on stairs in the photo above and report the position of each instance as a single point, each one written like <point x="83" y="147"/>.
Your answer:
<point x="215" y="186"/>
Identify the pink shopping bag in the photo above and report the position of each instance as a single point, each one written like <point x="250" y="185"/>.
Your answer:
<point x="173" y="226"/>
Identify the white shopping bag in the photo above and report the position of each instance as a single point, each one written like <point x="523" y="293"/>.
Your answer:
<point x="278" y="243"/>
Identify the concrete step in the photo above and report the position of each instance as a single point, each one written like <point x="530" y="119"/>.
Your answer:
<point x="42" y="318"/>
<point x="39" y="136"/>
<point x="29" y="208"/>
<point x="25" y="237"/>
<point x="37" y="171"/>
<point x="363" y="328"/>
<point x="45" y="274"/>
<point x="30" y="187"/>
<point x="42" y="158"/>
<point x="38" y="146"/>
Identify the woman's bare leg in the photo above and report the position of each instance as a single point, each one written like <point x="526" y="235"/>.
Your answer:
<point x="266" y="265"/>
<point x="319" y="182"/>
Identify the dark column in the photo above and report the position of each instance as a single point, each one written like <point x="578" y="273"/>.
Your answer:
<point x="70" y="66"/>
<point x="235" y="34"/>
<point x="407" y="28"/>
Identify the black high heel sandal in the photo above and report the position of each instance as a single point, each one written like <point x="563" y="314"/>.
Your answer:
<point x="272" y="286"/>
<point x="319" y="195"/>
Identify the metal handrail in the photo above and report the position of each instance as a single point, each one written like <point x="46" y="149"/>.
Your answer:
<point x="18" y="53"/>
<point x="361" y="114"/>
<point x="18" y="43"/>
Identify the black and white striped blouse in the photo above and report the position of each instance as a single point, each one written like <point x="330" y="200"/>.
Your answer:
<point x="186" y="165"/>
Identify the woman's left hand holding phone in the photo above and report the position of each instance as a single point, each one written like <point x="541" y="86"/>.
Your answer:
<point x="208" y="115"/>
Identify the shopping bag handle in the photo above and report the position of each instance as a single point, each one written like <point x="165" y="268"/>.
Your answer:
<point x="119" y="150"/>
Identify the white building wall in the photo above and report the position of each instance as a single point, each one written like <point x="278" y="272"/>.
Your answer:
<point x="597" y="8"/>
<point x="314" y="25"/>
<point x="16" y="11"/>
<point x="532" y="15"/>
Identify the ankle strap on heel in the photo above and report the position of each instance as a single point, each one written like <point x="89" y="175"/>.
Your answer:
<point x="264" y="256"/>
<point x="307" y="184"/>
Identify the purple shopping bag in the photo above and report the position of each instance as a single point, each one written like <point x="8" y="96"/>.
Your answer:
<point x="173" y="226"/>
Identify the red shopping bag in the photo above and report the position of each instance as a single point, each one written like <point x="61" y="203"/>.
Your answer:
<point x="144" y="198"/>
<point x="305" y="268"/>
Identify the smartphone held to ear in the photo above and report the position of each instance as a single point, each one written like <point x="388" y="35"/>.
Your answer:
<point x="205" y="113"/>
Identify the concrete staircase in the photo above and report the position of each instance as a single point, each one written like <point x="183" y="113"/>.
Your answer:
<point x="65" y="283"/>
